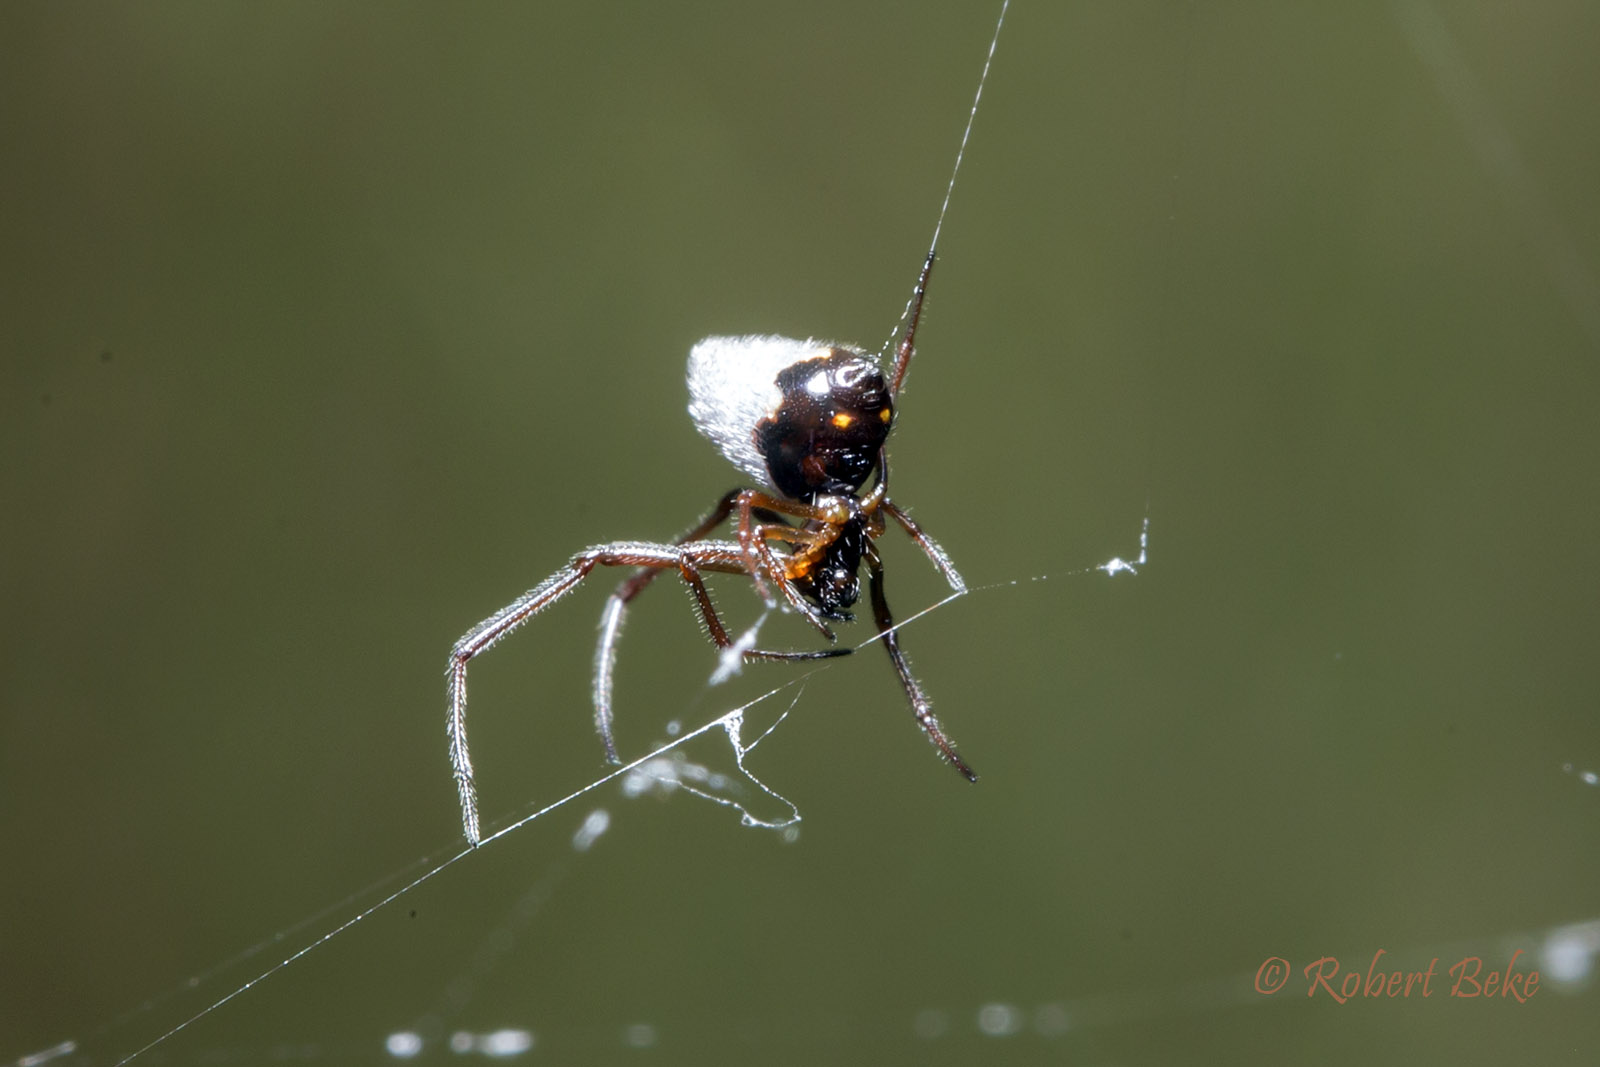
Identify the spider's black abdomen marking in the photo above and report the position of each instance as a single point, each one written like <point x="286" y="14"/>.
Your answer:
<point x="826" y="434"/>
<point x="832" y="583"/>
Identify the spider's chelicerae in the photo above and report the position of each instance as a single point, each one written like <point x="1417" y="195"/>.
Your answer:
<point x="807" y="421"/>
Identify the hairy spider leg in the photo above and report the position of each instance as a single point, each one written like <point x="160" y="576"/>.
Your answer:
<point x="689" y="560"/>
<point x="921" y="707"/>
<point x="905" y="348"/>
<point x="930" y="548"/>
<point x="750" y="504"/>
<point x="879" y="498"/>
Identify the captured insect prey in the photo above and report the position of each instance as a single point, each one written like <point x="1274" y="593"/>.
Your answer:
<point x="808" y="422"/>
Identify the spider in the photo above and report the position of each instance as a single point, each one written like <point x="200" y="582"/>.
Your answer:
<point x="808" y="421"/>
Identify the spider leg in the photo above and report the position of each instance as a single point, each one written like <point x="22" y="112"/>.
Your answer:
<point x="929" y="546"/>
<point x="920" y="706"/>
<point x="906" y="347"/>
<point x="762" y="538"/>
<point x="755" y="541"/>
<point x="878" y="501"/>
<point x="688" y="559"/>
<point x="758" y="558"/>
<point x="616" y="609"/>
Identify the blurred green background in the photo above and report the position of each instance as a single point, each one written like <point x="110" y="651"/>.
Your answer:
<point x="325" y="329"/>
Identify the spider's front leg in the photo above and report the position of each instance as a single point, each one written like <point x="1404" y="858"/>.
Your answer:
<point x="759" y="560"/>
<point x="482" y="636"/>
<point x="616" y="609"/>
<point x="930" y="548"/>
<point x="688" y="559"/>
<point x="921" y="707"/>
<point x="878" y="503"/>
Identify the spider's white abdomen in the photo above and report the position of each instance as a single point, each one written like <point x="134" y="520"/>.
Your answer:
<point x="733" y="385"/>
